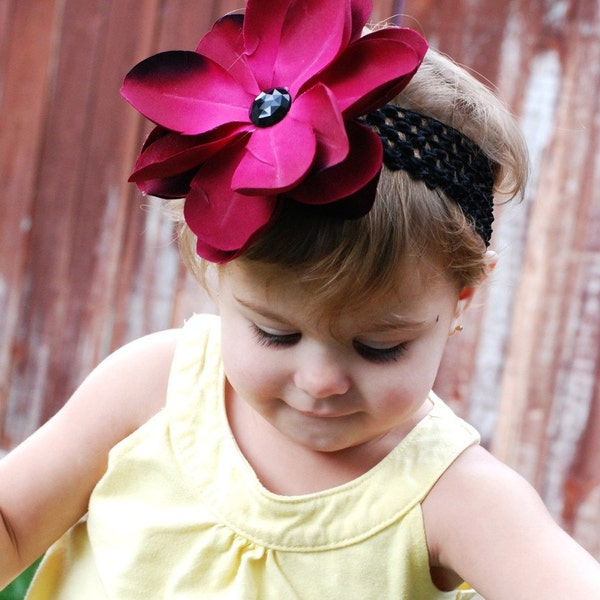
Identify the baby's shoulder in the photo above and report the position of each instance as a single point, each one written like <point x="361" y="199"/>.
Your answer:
<point x="474" y="514"/>
<point x="477" y="481"/>
<point x="138" y="374"/>
<point x="475" y="464"/>
<point x="55" y="470"/>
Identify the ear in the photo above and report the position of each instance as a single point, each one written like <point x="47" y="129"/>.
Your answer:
<point x="466" y="295"/>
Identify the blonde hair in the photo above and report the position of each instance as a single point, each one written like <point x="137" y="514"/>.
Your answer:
<point x="353" y="259"/>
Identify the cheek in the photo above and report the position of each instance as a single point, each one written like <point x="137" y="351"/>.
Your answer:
<point x="238" y="364"/>
<point x="247" y="368"/>
<point x="235" y="351"/>
<point x="427" y="365"/>
<point x="411" y="381"/>
<point x="400" y="400"/>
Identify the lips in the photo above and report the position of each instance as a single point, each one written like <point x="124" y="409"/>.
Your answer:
<point x="324" y="408"/>
<point x="325" y="412"/>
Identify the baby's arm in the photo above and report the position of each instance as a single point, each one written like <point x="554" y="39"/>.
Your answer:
<point x="487" y="524"/>
<point x="46" y="482"/>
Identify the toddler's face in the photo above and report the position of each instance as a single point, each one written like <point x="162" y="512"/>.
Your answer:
<point x="332" y="385"/>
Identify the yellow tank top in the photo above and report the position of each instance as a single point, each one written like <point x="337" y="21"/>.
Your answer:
<point x="180" y="513"/>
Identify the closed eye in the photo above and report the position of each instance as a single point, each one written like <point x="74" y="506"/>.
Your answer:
<point x="380" y="355"/>
<point x="375" y="355"/>
<point x="268" y="338"/>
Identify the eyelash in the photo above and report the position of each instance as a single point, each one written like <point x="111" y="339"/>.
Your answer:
<point x="273" y="339"/>
<point x="380" y="355"/>
<point x="375" y="355"/>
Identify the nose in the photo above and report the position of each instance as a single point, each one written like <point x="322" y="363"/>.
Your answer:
<point x="322" y="375"/>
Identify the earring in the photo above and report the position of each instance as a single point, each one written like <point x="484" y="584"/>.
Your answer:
<point x="458" y="329"/>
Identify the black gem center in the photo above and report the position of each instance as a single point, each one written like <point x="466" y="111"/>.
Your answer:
<point x="270" y="106"/>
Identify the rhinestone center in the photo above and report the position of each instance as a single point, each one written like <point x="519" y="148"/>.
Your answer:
<point x="270" y="107"/>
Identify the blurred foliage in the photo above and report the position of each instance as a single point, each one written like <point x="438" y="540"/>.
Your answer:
<point x="16" y="590"/>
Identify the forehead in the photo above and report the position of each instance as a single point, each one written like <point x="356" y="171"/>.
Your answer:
<point x="416" y="293"/>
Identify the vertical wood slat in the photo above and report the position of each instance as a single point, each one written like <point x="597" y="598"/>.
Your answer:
<point x="84" y="266"/>
<point x="546" y="437"/>
<point x="541" y="415"/>
<point x="81" y="180"/>
<point x="27" y="48"/>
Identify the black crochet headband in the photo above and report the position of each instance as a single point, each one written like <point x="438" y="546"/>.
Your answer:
<point x="441" y="157"/>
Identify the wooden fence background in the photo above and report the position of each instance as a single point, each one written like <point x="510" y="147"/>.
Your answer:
<point x="86" y="264"/>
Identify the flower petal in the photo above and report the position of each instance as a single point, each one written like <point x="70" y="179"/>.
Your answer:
<point x="222" y="219"/>
<point x="168" y="188"/>
<point x="354" y="206"/>
<point x="374" y="69"/>
<point x="166" y="154"/>
<point x="360" y="12"/>
<point x="223" y="228"/>
<point x="276" y="158"/>
<point x="186" y="92"/>
<point x="208" y="252"/>
<point x="318" y="108"/>
<point x="361" y="167"/>
<point x="280" y="39"/>
<point x="224" y="44"/>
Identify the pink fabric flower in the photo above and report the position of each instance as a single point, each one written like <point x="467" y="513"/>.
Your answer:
<point x="265" y="108"/>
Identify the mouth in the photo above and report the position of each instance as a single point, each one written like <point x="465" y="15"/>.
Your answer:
<point x="324" y="414"/>
<point x="322" y="410"/>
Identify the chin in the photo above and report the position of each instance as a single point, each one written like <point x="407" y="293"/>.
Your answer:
<point x="326" y="444"/>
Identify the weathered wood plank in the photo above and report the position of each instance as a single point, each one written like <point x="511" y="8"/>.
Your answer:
<point x="549" y="398"/>
<point x="534" y="392"/>
<point x="6" y="19"/>
<point x="27" y="49"/>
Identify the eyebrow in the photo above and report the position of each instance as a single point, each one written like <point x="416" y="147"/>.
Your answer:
<point x="390" y="322"/>
<point x="395" y="322"/>
<point x="261" y="310"/>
